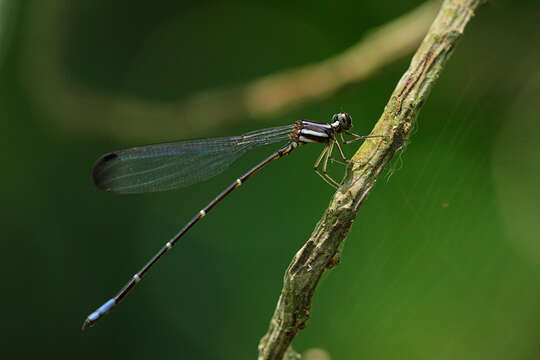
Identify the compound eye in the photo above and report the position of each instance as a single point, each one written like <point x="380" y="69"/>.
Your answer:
<point x="347" y="120"/>
<point x="344" y="119"/>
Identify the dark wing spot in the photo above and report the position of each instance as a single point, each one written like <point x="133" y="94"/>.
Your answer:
<point x="108" y="157"/>
<point x="98" y="174"/>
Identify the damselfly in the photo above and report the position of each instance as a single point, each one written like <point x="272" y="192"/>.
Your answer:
<point x="179" y="164"/>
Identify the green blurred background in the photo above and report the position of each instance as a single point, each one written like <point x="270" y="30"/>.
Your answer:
<point x="443" y="261"/>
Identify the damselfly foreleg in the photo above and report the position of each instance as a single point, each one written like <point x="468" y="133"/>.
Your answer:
<point x="322" y="172"/>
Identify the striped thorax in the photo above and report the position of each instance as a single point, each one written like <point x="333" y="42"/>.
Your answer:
<point x="307" y="131"/>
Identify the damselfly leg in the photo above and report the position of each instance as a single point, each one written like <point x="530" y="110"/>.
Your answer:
<point x="356" y="137"/>
<point x="326" y="155"/>
<point x="323" y="157"/>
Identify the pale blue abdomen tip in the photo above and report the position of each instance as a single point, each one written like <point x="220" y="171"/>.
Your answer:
<point x="102" y="310"/>
<point x="106" y="307"/>
<point x="93" y="316"/>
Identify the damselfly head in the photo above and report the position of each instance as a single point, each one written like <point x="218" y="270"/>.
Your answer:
<point x="341" y="121"/>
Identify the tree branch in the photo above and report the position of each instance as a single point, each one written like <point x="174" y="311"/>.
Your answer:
<point x="322" y="249"/>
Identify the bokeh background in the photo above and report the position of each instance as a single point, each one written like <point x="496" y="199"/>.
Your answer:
<point x="443" y="261"/>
